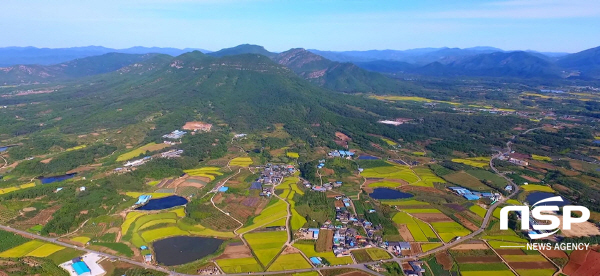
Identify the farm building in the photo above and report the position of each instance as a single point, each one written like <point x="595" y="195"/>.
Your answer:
<point x="508" y="188"/>
<point x="471" y="197"/>
<point x="143" y="199"/>
<point x="316" y="261"/>
<point x="81" y="268"/>
<point x="176" y="134"/>
<point x="315" y="232"/>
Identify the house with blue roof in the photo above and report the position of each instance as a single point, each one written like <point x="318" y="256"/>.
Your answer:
<point x="81" y="268"/>
<point x="316" y="261"/>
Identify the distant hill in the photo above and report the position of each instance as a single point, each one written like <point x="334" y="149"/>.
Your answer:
<point x="587" y="62"/>
<point x="416" y="56"/>
<point x="343" y="77"/>
<point x="47" y="56"/>
<point x="243" y="49"/>
<point x="82" y="67"/>
<point x="498" y="64"/>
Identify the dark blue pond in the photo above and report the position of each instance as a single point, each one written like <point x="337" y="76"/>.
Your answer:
<point x="532" y="198"/>
<point x="164" y="203"/>
<point x="385" y="193"/>
<point x="3" y="149"/>
<point x="52" y="179"/>
<point x="368" y="157"/>
<point x="182" y="249"/>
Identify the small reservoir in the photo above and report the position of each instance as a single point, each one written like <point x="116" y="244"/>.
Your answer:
<point x="52" y="179"/>
<point x="163" y="203"/>
<point x="183" y="249"/>
<point x="385" y="193"/>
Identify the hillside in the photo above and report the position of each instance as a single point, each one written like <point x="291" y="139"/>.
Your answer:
<point x="82" y="67"/>
<point x="343" y="77"/>
<point x="587" y="62"/>
<point x="244" y="91"/>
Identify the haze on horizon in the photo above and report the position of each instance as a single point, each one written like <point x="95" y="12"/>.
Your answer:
<point x="337" y="25"/>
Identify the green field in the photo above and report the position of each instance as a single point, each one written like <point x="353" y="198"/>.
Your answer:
<point x="483" y="267"/>
<point x="483" y="175"/>
<point x="266" y="245"/>
<point x="82" y="240"/>
<point x="505" y="238"/>
<point x="208" y="172"/>
<point x="377" y="254"/>
<point x="241" y="161"/>
<point x="479" y="162"/>
<point x="45" y="250"/>
<point x="391" y="172"/>
<point x="242" y="265"/>
<point x="16" y="188"/>
<point x="524" y="258"/>
<point x="427" y="177"/>
<point x="294" y="155"/>
<point x="384" y="184"/>
<point x="407" y="202"/>
<point x="270" y="214"/>
<point x="541" y="158"/>
<point x="466" y="180"/>
<point x="478" y="210"/>
<point x="289" y="262"/>
<point x="422" y="211"/>
<point x="420" y="231"/>
<point x="22" y="250"/>
<point x="136" y="152"/>
<point x="429" y="246"/>
<point x="309" y="251"/>
<point x="161" y="233"/>
<point x="500" y="244"/>
<point x="537" y="188"/>
<point x="449" y="230"/>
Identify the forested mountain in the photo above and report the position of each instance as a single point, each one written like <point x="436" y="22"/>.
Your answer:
<point x="82" y="67"/>
<point x="243" y="49"/>
<point x="499" y="64"/>
<point x="587" y="62"/>
<point x="343" y="77"/>
<point x="45" y="56"/>
<point x="247" y="92"/>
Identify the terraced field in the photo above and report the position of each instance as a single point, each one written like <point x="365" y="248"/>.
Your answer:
<point x="208" y="172"/>
<point x="270" y="214"/>
<point x="427" y="177"/>
<point x="32" y="248"/>
<point x="391" y="172"/>
<point x="16" y="188"/>
<point x="537" y="188"/>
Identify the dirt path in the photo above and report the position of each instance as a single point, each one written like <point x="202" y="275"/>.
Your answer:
<point x="5" y="162"/>
<point x="215" y="190"/>
<point x="289" y="214"/>
<point x="75" y="231"/>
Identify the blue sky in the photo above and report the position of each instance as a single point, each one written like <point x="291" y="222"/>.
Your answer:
<point x="543" y="25"/>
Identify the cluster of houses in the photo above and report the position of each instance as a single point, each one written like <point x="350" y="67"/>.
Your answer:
<point x="516" y="158"/>
<point x="325" y="187"/>
<point x="341" y="153"/>
<point x="271" y="175"/>
<point x="470" y="195"/>
<point x="175" y="135"/>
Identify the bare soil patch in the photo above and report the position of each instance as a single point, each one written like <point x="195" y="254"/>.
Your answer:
<point x="555" y="254"/>
<point x="466" y="223"/>
<point x="583" y="263"/>
<point x="456" y="207"/>
<point x="46" y="161"/>
<point x="478" y="259"/>
<point x="42" y="217"/>
<point x="510" y="251"/>
<point x="583" y="229"/>
<point x="429" y="217"/>
<point x="325" y="241"/>
<point x="290" y="250"/>
<point x="235" y="252"/>
<point x="531" y="179"/>
<point x="444" y="259"/>
<point x="470" y="246"/>
<point x="405" y="233"/>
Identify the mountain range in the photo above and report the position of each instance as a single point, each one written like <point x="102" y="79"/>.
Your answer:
<point x="335" y="73"/>
<point x="46" y="56"/>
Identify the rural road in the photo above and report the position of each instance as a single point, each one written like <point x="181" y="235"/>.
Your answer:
<point x="5" y="162"/>
<point x="362" y="266"/>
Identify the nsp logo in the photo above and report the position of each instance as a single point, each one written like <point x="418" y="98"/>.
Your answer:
<point x="545" y="213"/>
